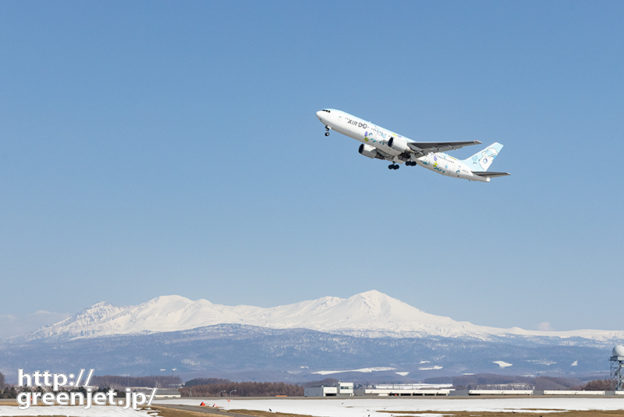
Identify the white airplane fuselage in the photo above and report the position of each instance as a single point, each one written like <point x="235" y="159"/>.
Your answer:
<point x="375" y="140"/>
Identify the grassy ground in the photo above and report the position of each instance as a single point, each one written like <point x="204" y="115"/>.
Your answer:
<point x="256" y="413"/>
<point x="170" y="412"/>
<point x="165" y="411"/>
<point x="8" y="401"/>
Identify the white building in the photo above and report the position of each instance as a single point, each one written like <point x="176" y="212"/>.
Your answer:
<point x="407" y="390"/>
<point x="343" y="389"/>
<point x="321" y="391"/>
<point x="346" y="389"/>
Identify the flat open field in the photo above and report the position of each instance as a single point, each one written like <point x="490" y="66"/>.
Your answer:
<point x="431" y="407"/>
<point x="413" y="407"/>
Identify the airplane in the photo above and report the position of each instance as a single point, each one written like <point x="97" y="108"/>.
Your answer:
<point x="384" y="144"/>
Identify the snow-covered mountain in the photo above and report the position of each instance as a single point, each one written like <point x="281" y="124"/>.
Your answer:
<point x="368" y="314"/>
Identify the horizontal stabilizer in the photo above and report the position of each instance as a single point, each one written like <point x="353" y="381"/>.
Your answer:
<point x="490" y="174"/>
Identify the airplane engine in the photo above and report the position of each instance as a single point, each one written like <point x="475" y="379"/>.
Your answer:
<point x="369" y="151"/>
<point x="398" y="144"/>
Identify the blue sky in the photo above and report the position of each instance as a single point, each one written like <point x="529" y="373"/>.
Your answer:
<point x="152" y="148"/>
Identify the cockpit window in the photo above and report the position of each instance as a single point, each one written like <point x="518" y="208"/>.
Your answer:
<point x="326" y="110"/>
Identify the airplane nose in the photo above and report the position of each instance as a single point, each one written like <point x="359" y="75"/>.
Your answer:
<point x="319" y="114"/>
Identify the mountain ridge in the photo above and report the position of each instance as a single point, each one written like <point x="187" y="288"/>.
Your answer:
<point x="243" y="352"/>
<point x="367" y="314"/>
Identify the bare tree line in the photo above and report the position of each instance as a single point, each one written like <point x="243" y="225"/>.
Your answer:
<point x="194" y="388"/>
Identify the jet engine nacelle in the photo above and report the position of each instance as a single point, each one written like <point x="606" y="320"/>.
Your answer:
<point x="398" y="144"/>
<point x="369" y="151"/>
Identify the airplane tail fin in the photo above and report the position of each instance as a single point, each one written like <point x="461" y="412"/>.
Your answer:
<point x="482" y="160"/>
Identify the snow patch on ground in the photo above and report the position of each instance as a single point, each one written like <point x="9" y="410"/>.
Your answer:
<point x="363" y="370"/>
<point x="372" y="407"/>
<point x="502" y="364"/>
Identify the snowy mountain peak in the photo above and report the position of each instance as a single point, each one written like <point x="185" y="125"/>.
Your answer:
<point x="96" y="312"/>
<point x="79" y="324"/>
<point x="173" y="298"/>
<point x="379" y="303"/>
<point x="372" y="294"/>
<point x="373" y="298"/>
<point x="169" y="301"/>
<point x="370" y="314"/>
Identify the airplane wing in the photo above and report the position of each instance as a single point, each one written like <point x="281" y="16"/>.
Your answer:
<point x="424" y="148"/>
<point x="490" y="174"/>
